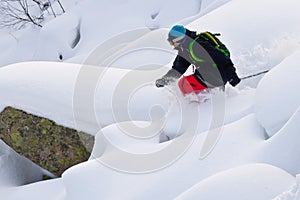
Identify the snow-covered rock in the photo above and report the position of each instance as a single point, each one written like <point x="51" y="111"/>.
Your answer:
<point x="46" y="91"/>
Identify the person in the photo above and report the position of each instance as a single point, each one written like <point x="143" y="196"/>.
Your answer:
<point x="213" y="68"/>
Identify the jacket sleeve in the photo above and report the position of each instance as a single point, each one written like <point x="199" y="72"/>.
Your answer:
<point x="231" y="75"/>
<point x="180" y="64"/>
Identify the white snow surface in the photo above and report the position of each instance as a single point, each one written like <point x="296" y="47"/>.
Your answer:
<point x="293" y="193"/>
<point x="153" y="143"/>
<point x="260" y="177"/>
<point x="10" y="172"/>
<point x="279" y="79"/>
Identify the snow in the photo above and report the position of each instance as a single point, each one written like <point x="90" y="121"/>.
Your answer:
<point x="46" y="92"/>
<point x="48" y="190"/>
<point x="65" y="41"/>
<point x="153" y="143"/>
<point x="263" y="179"/>
<point x="94" y="24"/>
<point x="259" y="34"/>
<point x="292" y="194"/>
<point x="276" y="150"/>
<point x="274" y="116"/>
<point x="16" y="170"/>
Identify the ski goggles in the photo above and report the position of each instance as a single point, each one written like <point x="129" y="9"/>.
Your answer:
<point x="172" y="41"/>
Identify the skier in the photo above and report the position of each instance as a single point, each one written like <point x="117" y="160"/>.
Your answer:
<point x="213" y="66"/>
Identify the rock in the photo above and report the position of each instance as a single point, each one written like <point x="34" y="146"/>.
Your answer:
<point x="51" y="146"/>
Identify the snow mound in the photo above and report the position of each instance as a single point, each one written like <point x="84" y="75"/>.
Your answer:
<point x="282" y="150"/>
<point x="120" y="135"/>
<point x="277" y="95"/>
<point x="254" y="181"/>
<point x="46" y="91"/>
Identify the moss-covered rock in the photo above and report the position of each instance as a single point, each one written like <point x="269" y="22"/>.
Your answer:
<point x="47" y="144"/>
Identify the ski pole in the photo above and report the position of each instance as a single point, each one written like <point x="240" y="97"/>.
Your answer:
<point x="253" y="75"/>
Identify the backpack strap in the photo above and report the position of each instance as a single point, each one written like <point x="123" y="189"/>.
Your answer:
<point x="191" y="45"/>
<point x="209" y="35"/>
<point x="193" y="55"/>
<point x="217" y="43"/>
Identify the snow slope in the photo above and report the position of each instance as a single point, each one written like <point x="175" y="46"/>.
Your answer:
<point x="223" y="141"/>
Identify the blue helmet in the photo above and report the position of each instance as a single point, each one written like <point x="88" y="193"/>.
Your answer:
<point x="176" y="33"/>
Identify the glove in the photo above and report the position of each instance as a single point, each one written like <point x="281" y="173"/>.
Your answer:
<point x="161" y="82"/>
<point x="234" y="81"/>
<point x="171" y="76"/>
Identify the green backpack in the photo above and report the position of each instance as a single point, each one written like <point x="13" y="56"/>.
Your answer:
<point x="213" y="40"/>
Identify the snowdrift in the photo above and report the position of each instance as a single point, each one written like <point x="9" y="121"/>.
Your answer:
<point x="280" y="87"/>
<point x="255" y="181"/>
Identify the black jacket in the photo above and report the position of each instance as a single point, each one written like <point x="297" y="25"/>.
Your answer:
<point x="214" y="69"/>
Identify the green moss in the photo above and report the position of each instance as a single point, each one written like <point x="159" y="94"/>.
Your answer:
<point x="49" y="145"/>
<point x="16" y="138"/>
